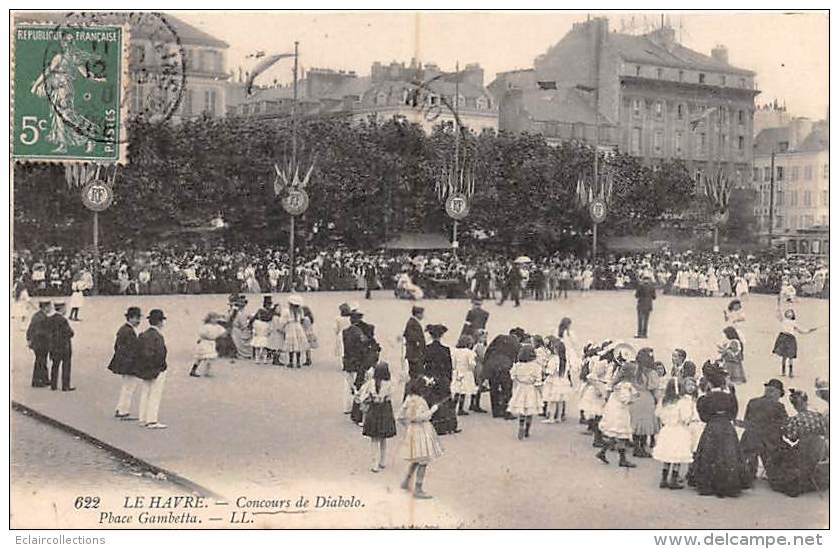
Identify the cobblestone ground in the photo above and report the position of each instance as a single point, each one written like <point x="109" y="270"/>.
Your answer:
<point x="51" y="468"/>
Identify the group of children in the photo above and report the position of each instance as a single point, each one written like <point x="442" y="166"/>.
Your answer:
<point x="691" y="280"/>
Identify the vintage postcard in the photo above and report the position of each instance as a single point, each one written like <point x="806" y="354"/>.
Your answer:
<point x="361" y="270"/>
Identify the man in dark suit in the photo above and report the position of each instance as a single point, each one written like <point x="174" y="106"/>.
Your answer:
<point x="38" y="339"/>
<point x="645" y="294"/>
<point x="124" y="361"/>
<point x="61" y="347"/>
<point x="357" y="347"/>
<point x="371" y="279"/>
<point x="765" y="416"/>
<point x="499" y="358"/>
<point x="151" y="368"/>
<point x="415" y="343"/>
<point x="512" y="285"/>
<point x="476" y="319"/>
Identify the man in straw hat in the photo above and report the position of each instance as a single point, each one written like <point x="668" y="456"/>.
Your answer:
<point x="152" y="370"/>
<point x="38" y="339"/>
<point x="61" y="347"/>
<point x="124" y="361"/>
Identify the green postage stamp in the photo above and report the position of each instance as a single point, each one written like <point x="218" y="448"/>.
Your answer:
<point x="69" y="93"/>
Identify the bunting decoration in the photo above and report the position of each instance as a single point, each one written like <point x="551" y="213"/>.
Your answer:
<point x="718" y="189"/>
<point x="79" y="175"/>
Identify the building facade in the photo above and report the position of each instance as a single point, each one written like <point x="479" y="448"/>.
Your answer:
<point x="795" y="161"/>
<point x="415" y="93"/>
<point x="650" y="96"/>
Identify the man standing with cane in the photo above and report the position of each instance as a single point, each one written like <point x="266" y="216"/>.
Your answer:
<point x="644" y="294"/>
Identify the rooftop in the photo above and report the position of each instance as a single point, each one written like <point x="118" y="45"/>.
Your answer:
<point x="646" y="49"/>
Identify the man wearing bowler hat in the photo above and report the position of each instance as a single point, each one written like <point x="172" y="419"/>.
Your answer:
<point x="645" y="295"/>
<point x="764" y="418"/>
<point x="152" y="370"/>
<point x="124" y="362"/>
<point x="61" y="347"/>
<point x="38" y="339"/>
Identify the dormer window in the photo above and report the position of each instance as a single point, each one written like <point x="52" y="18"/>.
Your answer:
<point x="482" y="104"/>
<point x="381" y="98"/>
<point x="701" y="77"/>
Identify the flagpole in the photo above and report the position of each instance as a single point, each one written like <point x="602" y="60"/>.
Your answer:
<point x="456" y="143"/>
<point x="292" y="270"/>
<point x="95" y="253"/>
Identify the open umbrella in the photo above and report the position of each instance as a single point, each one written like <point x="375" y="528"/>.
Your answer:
<point x="523" y="259"/>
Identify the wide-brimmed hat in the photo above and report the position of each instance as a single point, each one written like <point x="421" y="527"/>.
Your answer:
<point x="156" y="315"/>
<point x="344" y="309"/>
<point x="477" y="301"/>
<point x="417" y="309"/>
<point x="354" y="305"/>
<point x="133" y="311"/>
<point x="296" y="300"/>
<point x="777" y="384"/>
<point x="436" y="330"/>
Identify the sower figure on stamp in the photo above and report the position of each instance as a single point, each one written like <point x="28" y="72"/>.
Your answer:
<point x="152" y="370"/>
<point x="38" y="339"/>
<point x="645" y="294"/>
<point x="61" y="348"/>
<point x="124" y="362"/>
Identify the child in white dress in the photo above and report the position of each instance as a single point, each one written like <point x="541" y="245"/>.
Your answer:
<point x="205" y="347"/>
<point x="420" y="445"/>
<point x="526" y="401"/>
<point x="464" y="361"/>
<point x="557" y="386"/>
<point x="675" y="442"/>
<point x="261" y="330"/>
<point x="616" y="423"/>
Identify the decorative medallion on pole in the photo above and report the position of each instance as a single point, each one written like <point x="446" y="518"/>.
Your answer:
<point x="291" y="189"/>
<point x="97" y="187"/>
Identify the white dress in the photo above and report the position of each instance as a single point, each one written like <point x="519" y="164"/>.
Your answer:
<point x="526" y="399"/>
<point x="617" y="421"/>
<point x="261" y="329"/>
<point x="463" y="372"/>
<point x="205" y="348"/>
<point x="675" y="440"/>
<point x="556" y="388"/>
<point x="572" y="357"/>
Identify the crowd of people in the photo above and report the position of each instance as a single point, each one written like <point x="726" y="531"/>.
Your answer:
<point x="681" y="416"/>
<point x="173" y="270"/>
<point x="629" y="402"/>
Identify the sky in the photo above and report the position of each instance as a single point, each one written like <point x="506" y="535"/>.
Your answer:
<point x="788" y="51"/>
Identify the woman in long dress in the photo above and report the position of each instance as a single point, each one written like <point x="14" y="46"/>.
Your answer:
<point x="642" y="409"/>
<point x="718" y="463"/>
<point x="240" y="330"/>
<point x="793" y="469"/>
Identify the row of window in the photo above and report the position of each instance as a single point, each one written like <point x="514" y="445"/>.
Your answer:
<point x="792" y="222"/>
<point x="697" y="112"/>
<point x="193" y="102"/>
<point x="197" y="59"/>
<point x="661" y="73"/>
<point x="793" y="173"/>
<point x="700" y="142"/>
<point x="790" y="198"/>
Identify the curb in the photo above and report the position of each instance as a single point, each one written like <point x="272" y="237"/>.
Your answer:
<point x="117" y="452"/>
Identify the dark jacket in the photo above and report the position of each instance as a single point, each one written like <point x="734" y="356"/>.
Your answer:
<point x="476" y="319"/>
<point x="126" y="351"/>
<point x="60" y="335"/>
<point x="152" y="355"/>
<point x="438" y="364"/>
<point x="355" y="346"/>
<point x="764" y="419"/>
<point x="414" y="341"/>
<point x="37" y="334"/>
<point x="501" y="354"/>
<point x="645" y="294"/>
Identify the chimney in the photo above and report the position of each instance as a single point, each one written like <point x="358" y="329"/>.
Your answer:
<point x="800" y="128"/>
<point x="664" y="37"/>
<point x="720" y="53"/>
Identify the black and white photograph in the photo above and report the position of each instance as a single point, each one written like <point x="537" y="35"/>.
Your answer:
<point x="474" y="269"/>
